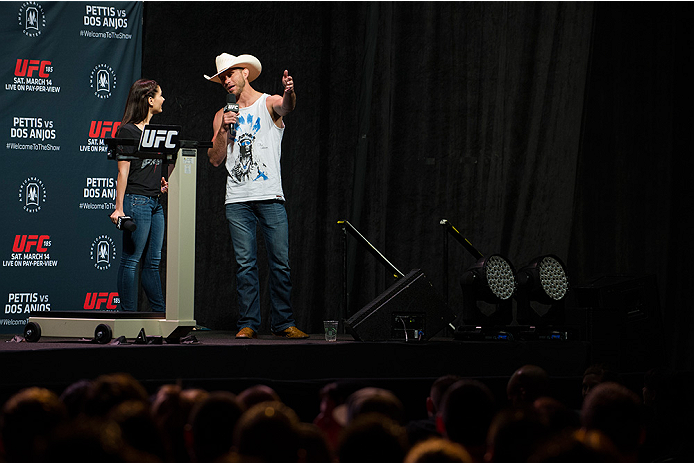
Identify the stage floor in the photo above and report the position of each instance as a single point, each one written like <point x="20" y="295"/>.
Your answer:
<point x="297" y="369"/>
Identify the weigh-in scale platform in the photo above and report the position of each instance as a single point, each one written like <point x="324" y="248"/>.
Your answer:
<point x="179" y="318"/>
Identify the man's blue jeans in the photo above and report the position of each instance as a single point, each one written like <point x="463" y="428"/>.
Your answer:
<point x="272" y="216"/>
<point x="146" y="240"/>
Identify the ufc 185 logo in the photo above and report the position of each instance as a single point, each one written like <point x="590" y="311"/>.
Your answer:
<point x="27" y="67"/>
<point x="99" y="129"/>
<point x="25" y="243"/>
<point x="159" y="139"/>
<point x="94" y="301"/>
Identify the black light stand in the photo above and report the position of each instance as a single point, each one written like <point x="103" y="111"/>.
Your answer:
<point x="346" y="226"/>
<point x="409" y="310"/>
<point x="490" y="280"/>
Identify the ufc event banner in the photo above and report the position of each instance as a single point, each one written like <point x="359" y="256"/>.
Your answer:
<point x="66" y="68"/>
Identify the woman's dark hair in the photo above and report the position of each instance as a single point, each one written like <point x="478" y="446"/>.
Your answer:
<point x="137" y="105"/>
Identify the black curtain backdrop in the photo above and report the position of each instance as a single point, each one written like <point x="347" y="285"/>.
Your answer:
<point x="634" y="183"/>
<point x="534" y="128"/>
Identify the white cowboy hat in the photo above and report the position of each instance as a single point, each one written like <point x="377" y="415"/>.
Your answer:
<point x="226" y="61"/>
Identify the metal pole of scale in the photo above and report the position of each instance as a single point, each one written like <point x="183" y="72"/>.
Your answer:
<point x="179" y="318"/>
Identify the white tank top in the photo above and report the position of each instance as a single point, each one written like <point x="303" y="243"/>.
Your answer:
<point x="253" y="160"/>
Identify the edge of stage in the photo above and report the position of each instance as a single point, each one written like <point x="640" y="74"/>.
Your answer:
<point x="296" y="369"/>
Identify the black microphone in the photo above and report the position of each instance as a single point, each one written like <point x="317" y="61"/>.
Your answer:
<point x="231" y="105"/>
<point x="126" y="222"/>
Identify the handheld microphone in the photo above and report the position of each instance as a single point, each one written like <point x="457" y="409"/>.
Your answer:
<point x="126" y="222"/>
<point x="231" y="105"/>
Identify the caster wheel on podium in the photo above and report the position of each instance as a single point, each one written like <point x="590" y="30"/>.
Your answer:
<point x="32" y="332"/>
<point x="103" y="334"/>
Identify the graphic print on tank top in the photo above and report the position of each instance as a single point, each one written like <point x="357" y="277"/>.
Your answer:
<point x="150" y="162"/>
<point x="247" y="166"/>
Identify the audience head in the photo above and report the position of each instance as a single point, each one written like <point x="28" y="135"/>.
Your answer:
<point x="27" y="420"/>
<point x="437" y="391"/>
<point x="578" y="447"/>
<point x="268" y="431"/>
<point x="596" y="374"/>
<point x="373" y="438"/>
<point x="557" y="416"/>
<point x="438" y="450"/>
<point x="615" y="411"/>
<point x="375" y="400"/>
<point x="656" y="387"/>
<point x="138" y="428"/>
<point x="333" y="411"/>
<point x="421" y="430"/>
<point x="171" y="407"/>
<point x="257" y="394"/>
<point x="109" y="390"/>
<point x="333" y="395"/>
<point x="91" y="439"/>
<point x="313" y="445"/>
<point x="514" y="435"/>
<point x="75" y="396"/>
<point x="527" y="384"/>
<point x="171" y="399"/>
<point x="211" y="426"/>
<point x="466" y="412"/>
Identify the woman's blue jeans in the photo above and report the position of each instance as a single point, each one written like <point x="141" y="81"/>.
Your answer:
<point x="272" y="217"/>
<point x="142" y="246"/>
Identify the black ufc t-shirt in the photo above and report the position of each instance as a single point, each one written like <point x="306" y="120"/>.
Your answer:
<point x="145" y="174"/>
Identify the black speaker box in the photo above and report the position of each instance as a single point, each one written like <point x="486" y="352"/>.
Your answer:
<point x="408" y="310"/>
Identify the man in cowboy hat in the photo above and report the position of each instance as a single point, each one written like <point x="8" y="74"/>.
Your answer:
<point x="249" y="143"/>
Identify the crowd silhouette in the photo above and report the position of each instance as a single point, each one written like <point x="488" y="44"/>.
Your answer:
<point x="113" y="419"/>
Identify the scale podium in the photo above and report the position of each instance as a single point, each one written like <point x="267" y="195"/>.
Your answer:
<point x="179" y="318"/>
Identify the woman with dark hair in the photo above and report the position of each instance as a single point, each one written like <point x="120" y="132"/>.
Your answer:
<point x="138" y="192"/>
